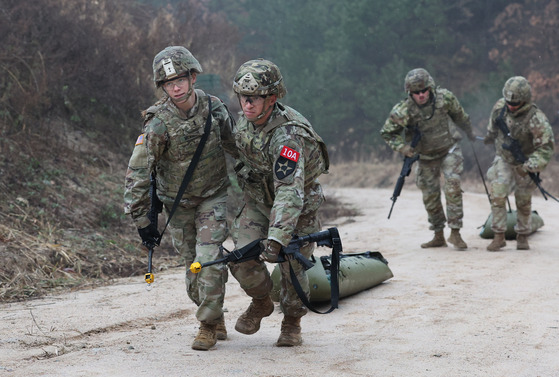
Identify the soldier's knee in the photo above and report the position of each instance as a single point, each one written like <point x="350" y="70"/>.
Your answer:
<point x="452" y="186"/>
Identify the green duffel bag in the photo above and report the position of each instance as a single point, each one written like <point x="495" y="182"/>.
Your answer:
<point x="358" y="272"/>
<point x="510" y="234"/>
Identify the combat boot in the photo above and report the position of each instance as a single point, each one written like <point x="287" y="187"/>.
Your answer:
<point x="290" y="332"/>
<point x="457" y="240"/>
<point x="249" y="322"/>
<point x="437" y="241"/>
<point x="221" y="330"/>
<point x="522" y="242"/>
<point x="497" y="243"/>
<point x="206" y="338"/>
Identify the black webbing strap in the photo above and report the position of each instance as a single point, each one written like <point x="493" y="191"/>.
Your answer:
<point x="334" y="281"/>
<point x="191" y="166"/>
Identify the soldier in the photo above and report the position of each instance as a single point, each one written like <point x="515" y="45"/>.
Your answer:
<point x="433" y="112"/>
<point x="529" y="126"/>
<point x="173" y="128"/>
<point x="280" y="160"/>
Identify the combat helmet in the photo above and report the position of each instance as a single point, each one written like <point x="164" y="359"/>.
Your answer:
<point x="517" y="90"/>
<point x="173" y="62"/>
<point x="259" y="77"/>
<point x="418" y="79"/>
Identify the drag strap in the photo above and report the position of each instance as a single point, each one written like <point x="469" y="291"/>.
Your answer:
<point x="334" y="281"/>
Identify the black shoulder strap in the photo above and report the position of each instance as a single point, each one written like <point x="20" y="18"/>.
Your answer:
<point x="191" y="166"/>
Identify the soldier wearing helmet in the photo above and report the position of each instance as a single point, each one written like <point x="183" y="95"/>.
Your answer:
<point x="529" y="126"/>
<point x="173" y="128"/>
<point x="436" y="114"/>
<point x="280" y="159"/>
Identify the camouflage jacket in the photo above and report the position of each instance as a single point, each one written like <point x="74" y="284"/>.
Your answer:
<point x="437" y="121"/>
<point x="278" y="165"/>
<point x="530" y="127"/>
<point x="167" y="146"/>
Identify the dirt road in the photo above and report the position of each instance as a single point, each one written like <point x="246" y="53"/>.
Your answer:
<point x="444" y="313"/>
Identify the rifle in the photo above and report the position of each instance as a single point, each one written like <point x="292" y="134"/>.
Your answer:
<point x="329" y="238"/>
<point x="155" y="209"/>
<point x="515" y="149"/>
<point x="406" y="169"/>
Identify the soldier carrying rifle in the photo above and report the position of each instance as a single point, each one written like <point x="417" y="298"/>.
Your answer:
<point x="434" y="112"/>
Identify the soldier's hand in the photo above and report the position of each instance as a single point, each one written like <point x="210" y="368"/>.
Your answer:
<point x="407" y="151"/>
<point x="150" y="235"/>
<point x="488" y="140"/>
<point x="271" y="251"/>
<point x="521" y="170"/>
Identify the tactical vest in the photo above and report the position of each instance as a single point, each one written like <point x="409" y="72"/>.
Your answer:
<point x="434" y="124"/>
<point x="183" y="136"/>
<point x="255" y="169"/>
<point x="519" y="128"/>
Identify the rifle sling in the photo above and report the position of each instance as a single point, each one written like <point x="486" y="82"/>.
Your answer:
<point x="191" y="166"/>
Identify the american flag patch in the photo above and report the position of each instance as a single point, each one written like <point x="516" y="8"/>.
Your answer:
<point x="140" y="139"/>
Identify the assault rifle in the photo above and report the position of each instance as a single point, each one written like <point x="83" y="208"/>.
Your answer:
<point x="406" y="169"/>
<point x="155" y="209"/>
<point x="515" y="149"/>
<point x="329" y="238"/>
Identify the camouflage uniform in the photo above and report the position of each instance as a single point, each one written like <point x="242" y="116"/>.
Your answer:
<point x="280" y="160"/>
<point x="198" y="226"/>
<point x="531" y="128"/>
<point x="438" y="148"/>
<point x="282" y="197"/>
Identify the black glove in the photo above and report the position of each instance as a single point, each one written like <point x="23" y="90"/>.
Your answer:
<point x="150" y="235"/>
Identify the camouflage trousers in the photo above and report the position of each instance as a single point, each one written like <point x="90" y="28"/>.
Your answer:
<point x="428" y="180"/>
<point x="503" y="180"/>
<point x="253" y="276"/>
<point x="198" y="231"/>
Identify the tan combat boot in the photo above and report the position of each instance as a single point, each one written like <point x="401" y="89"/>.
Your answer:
<point x="206" y="338"/>
<point x="497" y="243"/>
<point x="522" y="242"/>
<point x="221" y="330"/>
<point x="290" y="332"/>
<point x="457" y="240"/>
<point x="437" y="241"/>
<point x="249" y="322"/>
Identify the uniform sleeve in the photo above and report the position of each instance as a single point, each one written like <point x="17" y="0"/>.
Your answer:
<point x="457" y="113"/>
<point x="287" y="153"/>
<point x="492" y="128"/>
<point x="136" y="186"/>
<point x="392" y="130"/>
<point x="227" y="125"/>
<point x="544" y="144"/>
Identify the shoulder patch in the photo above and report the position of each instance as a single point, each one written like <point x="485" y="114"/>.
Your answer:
<point x="140" y="139"/>
<point x="286" y="163"/>
<point x="289" y="154"/>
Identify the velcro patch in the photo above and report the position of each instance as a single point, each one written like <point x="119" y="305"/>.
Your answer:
<point x="140" y="139"/>
<point x="290" y="154"/>
<point x="169" y="68"/>
<point x="284" y="167"/>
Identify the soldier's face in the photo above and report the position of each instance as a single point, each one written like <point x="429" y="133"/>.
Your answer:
<point x="178" y="89"/>
<point x="421" y="96"/>
<point x="514" y="106"/>
<point x="253" y="106"/>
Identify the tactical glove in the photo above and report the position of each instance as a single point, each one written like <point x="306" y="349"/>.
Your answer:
<point x="488" y="140"/>
<point x="271" y="251"/>
<point x="150" y="235"/>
